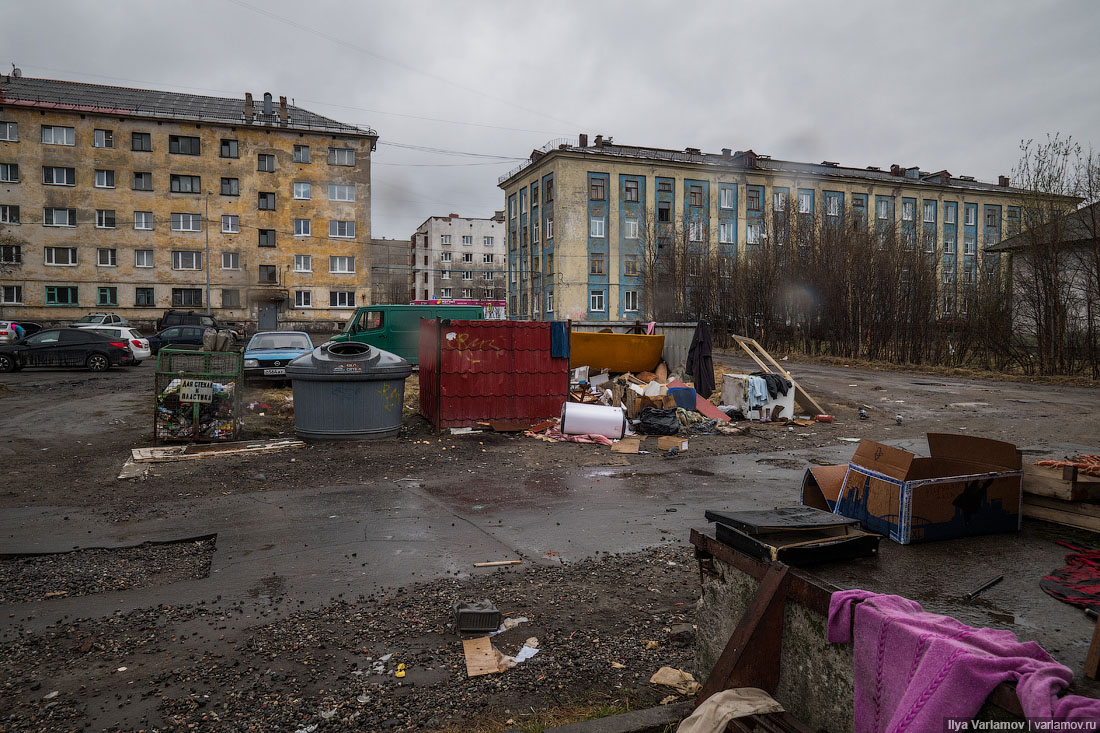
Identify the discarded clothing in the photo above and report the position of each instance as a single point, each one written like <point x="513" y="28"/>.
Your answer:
<point x="1078" y="582"/>
<point x="651" y="328"/>
<point x="757" y="392"/>
<point x="714" y="713"/>
<point x="555" y="435"/>
<point x="559" y="340"/>
<point x="913" y="669"/>
<point x="777" y="385"/>
<point x="700" y="364"/>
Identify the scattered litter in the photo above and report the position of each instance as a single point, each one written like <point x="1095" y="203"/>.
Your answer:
<point x="497" y="563"/>
<point x="386" y="658"/>
<point x="121" y="669"/>
<point x="51" y="695"/>
<point x="627" y="445"/>
<point x="823" y="418"/>
<point x="363" y="698"/>
<point x="679" y="680"/>
<point x="399" y="673"/>
<point x="667" y="700"/>
<point x="668" y="442"/>
<point x="158" y="454"/>
<point x="850" y="440"/>
<point x="897" y="419"/>
<point x="652" y="644"/>
<point x="476" y="616"/>
<point x="463" y="431"/>
<point x="307" y="729"/>
<point x="328" y="714"/>
<point x="984" y="586"/>
<point x="509" y="623"/>
<point x="862" y="414"/>
<point x="616" y="665"/>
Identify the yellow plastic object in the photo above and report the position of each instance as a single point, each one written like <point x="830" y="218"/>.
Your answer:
<point x="616" y="352"/>
<point x="400" y="671"/>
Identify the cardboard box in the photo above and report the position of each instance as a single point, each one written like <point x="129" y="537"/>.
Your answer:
<point x="668" y="442"/>
<point x="967" y="486"/>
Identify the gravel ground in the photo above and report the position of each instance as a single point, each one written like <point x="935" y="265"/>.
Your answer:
<point x="197" y="668"/>
<point x="84" y="572"/>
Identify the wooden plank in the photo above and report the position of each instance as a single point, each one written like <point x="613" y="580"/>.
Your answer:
<point x="751" y="656"/>
<point x="497" y="563"/>
<point x="1057" y="516"/>
<point x="195" y="452"/>
<point x="480" y="658"/>
<point x="801" y="395"/>
<point x="1092" y="660"/>
<point x="1073" y="507"/>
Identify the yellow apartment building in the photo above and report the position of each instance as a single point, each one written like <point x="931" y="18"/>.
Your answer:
<point x="136" y="201"/>
<point x="580" y="215"/>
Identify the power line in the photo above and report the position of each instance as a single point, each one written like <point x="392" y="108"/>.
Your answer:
<point x="445" y="151"/>
<point x="441" y="165"/>
<point x="400" y="64"/>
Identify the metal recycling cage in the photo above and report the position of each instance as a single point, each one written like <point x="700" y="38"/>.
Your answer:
<point x="475" y="371"/>
<point x="197" y="395"/>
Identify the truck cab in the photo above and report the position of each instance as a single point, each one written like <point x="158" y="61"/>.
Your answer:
<point x="396" y="328"/>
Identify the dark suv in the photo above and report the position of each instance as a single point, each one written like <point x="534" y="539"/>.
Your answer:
<point x="191" y="318"/>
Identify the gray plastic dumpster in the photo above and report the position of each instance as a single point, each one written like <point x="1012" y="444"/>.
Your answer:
<point x="348" y="391"/>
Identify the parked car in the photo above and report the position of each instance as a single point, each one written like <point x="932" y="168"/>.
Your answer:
<point x="7" y="330"/>
<point x="177" y="336"/>
<point x="95" y="320"/>
<point x="66" y="347"/>
<point x="191" y="318"/>
<point x="396" y="328"/>
<point x="268" y="353"/>
<point x="138" y="343"/>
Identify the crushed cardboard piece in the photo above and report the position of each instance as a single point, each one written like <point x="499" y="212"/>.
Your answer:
<point x="481" y="657"/>
<point x="627" y="445"/>
<point x="668" y="442"/>
<point x="662" y="373"/>
<point x="679" y="680"/>
<point x="197" y="450"/>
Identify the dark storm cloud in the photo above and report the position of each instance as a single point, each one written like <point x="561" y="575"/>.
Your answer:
<point x="936" y="84"/>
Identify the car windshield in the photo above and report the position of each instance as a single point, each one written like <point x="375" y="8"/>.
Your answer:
<point x="135" y="334"/>
<point x="270" y="341"/>
<point x="90" y="319"/>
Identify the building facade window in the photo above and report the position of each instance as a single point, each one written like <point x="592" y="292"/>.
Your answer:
<point x="488" y="241"/>
<point x="301" y="153"/>
<point x="184" y="145"/>
<point x="9" y="173"/>
<point x="58" y="176"/>
<point x="62" y="295"/>
<point x="883" y="208"/>
<point x="107" y="257"/>
<point x="444" y="257"/>
<point x="631" y="190"/>
<point x="105" y="218"/>
<point x="597" y="191"/>
<point x="695" y="195"/>
<point x="141" y="142"/>
<point x="341" y="192"/>
<point x="467" y="256"/>
<point x="948" y="214"/>
<point x="230" y="186"/>
<point x="596" y="301"/>
<point x="467" y="240"/>
<point x="229" y="149"/>
<point x="183" y="297"/>
<point x="104" y="179"/>
<point x="303" y="263"/>
<point x="143" y="181"/>
<point x="265" y="237"/>
<point x="231" y="224"/>
<point x="779" y="201"/>
<point x="596" y="228"/>
<point x="971" y="215"/>
<point x="186" y="222"/>
<point x="631" y="228"/>
<point x="265" y="163"/>
<point x="11" y="294"/>
<point x="9" y="214"/>
<point x="444" y="239"/>
<point x="268" y="274"/>
<point x="549" y="301"/>
<point x="549" y="230"/>
<point x="753" y="234"/>
<point x="303" y="299"/>
<point x="231" y="261"/>
<point x="341" y="229"/>
<point x="231" y="298"/>
<point x="302" y="227"/>
<point x="804" y="205"/>
<point x="596" y="264"/>
<point x="725" y="232"/>
<point x="341" y="298"/>
<point x="725" y="198"/>
<point x="908" y="210"/>
<point x="630" y="300"/>
<point x="487" y="258"/>
<point x="630" y="265"/>
<point x="58" y="135"/>
<point x="695" y="231"/>
<point x="467" y="275"/>
<point x="9" y="132"/>
<point x="303" y="191"/>
<point x="341" y="264"/>
<point x="266" y="201"/>
<point x="444" y="292"/>
<point x="59" y="217"/>
<point x="753" y="202"/>
<point x="185" y="184"/>
<point x="11" y="254"/>
<point x="832" y="206"/>
<point x="144" y="297"/>
<point x="106" y="295"/>
<point x="143" y="258"/>
<point x="186" y="260"/>
<point x="929" y="212"/>
<point x="341" y="156"/>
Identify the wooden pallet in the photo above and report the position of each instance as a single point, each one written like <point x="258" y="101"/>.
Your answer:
<point x="1068" y="513"/>
<point x="767" y="364"/>
<point x="1060" y="483"/>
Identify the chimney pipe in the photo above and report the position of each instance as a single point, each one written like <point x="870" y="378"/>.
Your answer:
<point x="599" y="141"/>
<point x="895" y="169"/>
<point x="1002" y="181"/>
<point x="726" y="152"/>
<point x="583" y="140"/>
<point x="282" y="110"/>
<point x="267" y="104"/>
<point x="249" y="109"/>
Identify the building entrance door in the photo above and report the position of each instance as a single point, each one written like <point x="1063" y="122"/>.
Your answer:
<point x="268" y="316"/>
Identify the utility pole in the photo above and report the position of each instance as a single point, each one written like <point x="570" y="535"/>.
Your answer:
<point x="206" y="229"/>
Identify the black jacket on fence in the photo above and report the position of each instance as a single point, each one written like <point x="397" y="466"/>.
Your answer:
<point x="700" y="365"/>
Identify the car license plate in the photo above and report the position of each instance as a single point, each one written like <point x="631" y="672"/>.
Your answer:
<point x="273" y="372"/>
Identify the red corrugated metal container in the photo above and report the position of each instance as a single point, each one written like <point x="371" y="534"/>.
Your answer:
<point x="473" y="371"/>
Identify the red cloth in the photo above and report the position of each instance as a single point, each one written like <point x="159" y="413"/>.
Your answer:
<point x="1078" y="582"/>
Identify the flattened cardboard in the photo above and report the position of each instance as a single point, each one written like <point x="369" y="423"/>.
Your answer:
<point x="967" y="487"/>
<point x="627" y="445"/>
<point x="821" y="486"/>
<point x="668" y="442"/>
<point x="480" y="658"/>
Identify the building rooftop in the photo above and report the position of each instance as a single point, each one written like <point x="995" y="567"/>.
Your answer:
<point x="1077" y="227"/>
<point x="24" y="91"/>
<point x="750" y="160"/>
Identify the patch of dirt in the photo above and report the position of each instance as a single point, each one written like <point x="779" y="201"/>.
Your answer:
<point x="26" y="578"/>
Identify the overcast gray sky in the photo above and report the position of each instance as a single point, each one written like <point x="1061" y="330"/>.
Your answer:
<point x="951" y="85"/>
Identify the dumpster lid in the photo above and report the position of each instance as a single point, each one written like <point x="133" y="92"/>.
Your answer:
<point x="349" y="357"/>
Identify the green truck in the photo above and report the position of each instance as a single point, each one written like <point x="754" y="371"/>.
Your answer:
<point x="396" y="328"/>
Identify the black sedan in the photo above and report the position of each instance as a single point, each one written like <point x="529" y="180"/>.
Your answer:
<point x="177" y="336"/>
<point x="66" y="347"/>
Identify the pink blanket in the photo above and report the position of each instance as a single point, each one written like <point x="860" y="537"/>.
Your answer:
<point x="555" y="435"/>
<point x="913" y="669"/>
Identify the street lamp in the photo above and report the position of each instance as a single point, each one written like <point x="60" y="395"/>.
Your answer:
<point x="206" y="229"/>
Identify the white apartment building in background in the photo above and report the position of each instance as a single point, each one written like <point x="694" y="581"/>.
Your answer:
<point x="459" y="258"/>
